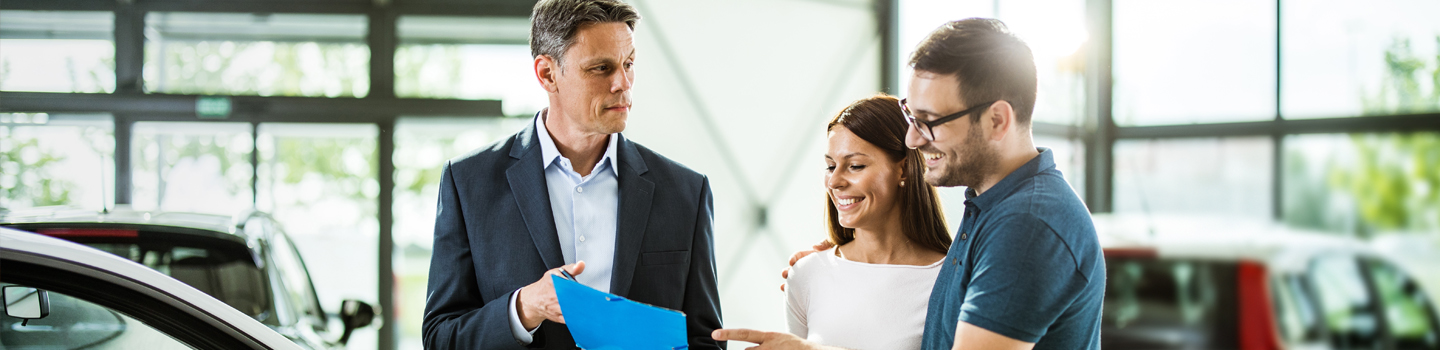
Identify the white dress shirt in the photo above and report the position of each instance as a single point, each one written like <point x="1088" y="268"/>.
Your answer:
<point x="586" y="209"/>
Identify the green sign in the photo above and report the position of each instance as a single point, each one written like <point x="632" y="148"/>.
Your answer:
<point x="212" y="107"/>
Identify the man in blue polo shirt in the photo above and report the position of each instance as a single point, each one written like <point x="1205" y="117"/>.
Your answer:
<point x="1025" y="270"/>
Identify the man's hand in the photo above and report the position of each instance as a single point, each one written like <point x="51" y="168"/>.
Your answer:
<point x="537" y="303"/>
<point x="823" y="245"/>
<point x="767" y="340"/>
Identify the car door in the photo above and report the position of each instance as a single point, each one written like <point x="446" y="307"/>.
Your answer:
<point x="93" y="313"/>
<point x="1348" y="307"/>
<point x="1410" y="321"/>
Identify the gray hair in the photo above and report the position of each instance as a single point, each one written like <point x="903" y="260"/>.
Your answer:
<point x="553" y="23"/>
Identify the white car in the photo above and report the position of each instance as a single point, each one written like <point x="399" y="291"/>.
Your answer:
<point x="63" y="295"/>
<point x="1220" y="283"/>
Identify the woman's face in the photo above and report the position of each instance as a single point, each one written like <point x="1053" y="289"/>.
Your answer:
<point x="862" y="180"/>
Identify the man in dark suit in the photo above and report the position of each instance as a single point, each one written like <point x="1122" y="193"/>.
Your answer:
<point x="569" y="192"/>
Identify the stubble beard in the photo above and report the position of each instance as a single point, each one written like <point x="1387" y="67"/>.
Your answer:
<point x="979" y="159"/>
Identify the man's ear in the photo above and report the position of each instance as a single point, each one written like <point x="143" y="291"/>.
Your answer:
<point x="545" y="70"/>
<point x="1001" y="119"/>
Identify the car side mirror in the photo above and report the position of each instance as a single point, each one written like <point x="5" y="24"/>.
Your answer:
<point x="26" y="303"/>
<point x="354" y="314"/>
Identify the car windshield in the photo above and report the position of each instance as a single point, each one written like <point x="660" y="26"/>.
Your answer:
<point x="1169" y="304"/>
<point x="232" y="279"/>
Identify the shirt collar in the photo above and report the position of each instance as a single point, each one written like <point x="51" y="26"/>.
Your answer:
<point x="1001" y="190"/>
<point x="551" y="154"/>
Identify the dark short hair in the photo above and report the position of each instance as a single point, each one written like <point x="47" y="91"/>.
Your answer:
<point x="553" y="23"/>
<point x="879" y="121"/>
<point x="990" y="63"/>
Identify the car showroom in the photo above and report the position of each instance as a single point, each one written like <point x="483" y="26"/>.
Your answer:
<point x="333" y="174"/>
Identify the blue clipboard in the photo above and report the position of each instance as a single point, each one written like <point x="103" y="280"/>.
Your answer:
<point x="604" y="321"/>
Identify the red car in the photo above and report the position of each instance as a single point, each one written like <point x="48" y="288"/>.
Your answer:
<point x="1196" y="283"/>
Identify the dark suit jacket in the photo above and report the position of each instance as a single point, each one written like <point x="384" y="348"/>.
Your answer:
<point x="495" y="233"/>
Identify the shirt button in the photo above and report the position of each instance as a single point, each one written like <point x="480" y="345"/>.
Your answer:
<point x="963" y="235"/>
<point x="580" y="189"/>
<point x="582" y="238"/>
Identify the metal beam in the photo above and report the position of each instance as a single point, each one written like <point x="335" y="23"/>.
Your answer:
<point x="1277" y="144"/>
<point x="887" y="21"/>
<point x="1099" y="146"/>
<point x="123" y="178"/>
<point x="129" y="50"/>
<point x="1394" y="123"/>
<point x="386" y="175"/>
<point x="249" y="108"/>
<point x="381" y="39"/>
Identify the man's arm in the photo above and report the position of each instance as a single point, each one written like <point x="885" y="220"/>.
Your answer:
<point x="970" y="337"/>
<point x="456" y="315"/>
<point x="702" y="296"/>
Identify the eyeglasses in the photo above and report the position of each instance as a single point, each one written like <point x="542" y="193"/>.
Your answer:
<point x="924" y="126"/>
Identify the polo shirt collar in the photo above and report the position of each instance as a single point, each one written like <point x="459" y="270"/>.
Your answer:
<point x="1001" y="190"/>
<point x="551" y="154"/>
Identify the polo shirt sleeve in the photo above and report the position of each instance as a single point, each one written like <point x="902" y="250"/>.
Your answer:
<point x="1024" y="278"/>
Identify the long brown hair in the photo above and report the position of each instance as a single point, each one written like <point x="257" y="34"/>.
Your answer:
<point x="879" y="121"/>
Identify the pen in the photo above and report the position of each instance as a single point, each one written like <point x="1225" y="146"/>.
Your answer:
<point x="567" y="274"/>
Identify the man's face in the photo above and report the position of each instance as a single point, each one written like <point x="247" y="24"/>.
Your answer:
<point x="593" y="83"/>
<point x="961" y="154"/>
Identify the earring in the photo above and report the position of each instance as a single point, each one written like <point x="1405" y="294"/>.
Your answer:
<point x="902" y="183"/>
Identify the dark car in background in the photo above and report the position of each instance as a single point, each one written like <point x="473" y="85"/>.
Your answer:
<point x="1188" y="283"/>
<point x="246" y="261"/>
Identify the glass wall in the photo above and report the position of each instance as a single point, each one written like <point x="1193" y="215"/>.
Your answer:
<point x="256" y="54"/>
<point x="422" y="148"/>
<point x="468" y="58"/>
<point x="198" y="167"/>
<point x="1228" y="177"/>
<point x="1345" y="59"/>
<point x="1363" y="184"/>
<point x="1182" y="62"/>
<point x="51" y="159"/>
<point x="55" y="51"/>
<point x="320" y="181"/>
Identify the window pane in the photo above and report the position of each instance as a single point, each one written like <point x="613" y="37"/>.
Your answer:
<point x="1181" y="62"/>
<point x="468" y="58"/>
<point x="53" y="51"/>
<point x="191" y="167"/>
<point x="52" y="159"/>
<point x="1345" y="303"/>
<point x="1228" y="177"/>
<point x="422" y="147"/>
<point x="75" y="323"/>
<point x="1054" y="30"/>
<point x="1363" y="183"/>
<point x="319" y="182"/>
<point x="256" y="54"/>
<point x="1069" y="160"/>
<point x="1346" y="58"/>
<point x="1406" y="308"/>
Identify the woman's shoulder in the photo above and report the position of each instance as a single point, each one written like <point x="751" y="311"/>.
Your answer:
<point x="813" y="263"/>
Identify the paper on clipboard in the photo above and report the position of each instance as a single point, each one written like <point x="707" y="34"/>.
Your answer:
<point x="604" y="321"/>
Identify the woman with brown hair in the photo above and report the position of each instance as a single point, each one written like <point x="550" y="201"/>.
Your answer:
<point x="871" y="290"/>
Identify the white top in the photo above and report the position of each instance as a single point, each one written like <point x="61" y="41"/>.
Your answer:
<point x="855" y="305"/>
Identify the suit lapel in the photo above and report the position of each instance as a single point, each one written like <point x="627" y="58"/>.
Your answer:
<point x="527" y="184"/>
<point x="636" y="192"/>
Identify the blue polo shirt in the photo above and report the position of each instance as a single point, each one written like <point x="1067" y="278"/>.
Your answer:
<point x="1026" y="264"/>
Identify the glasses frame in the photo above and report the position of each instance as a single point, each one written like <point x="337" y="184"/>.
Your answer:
<point x="926" y="131"/>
